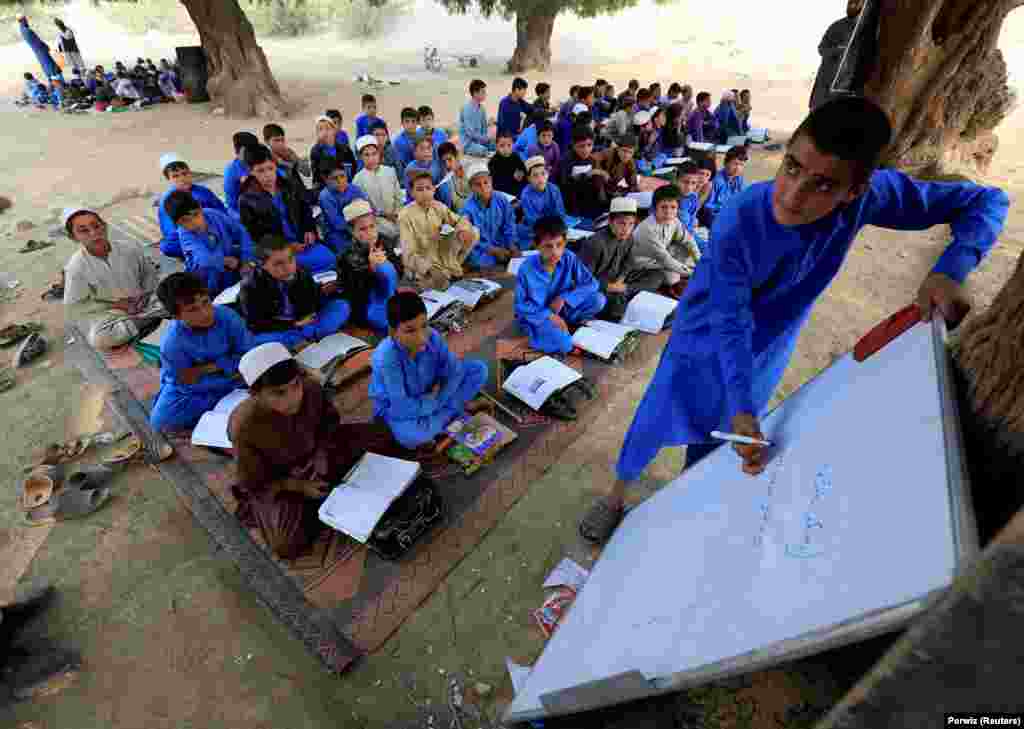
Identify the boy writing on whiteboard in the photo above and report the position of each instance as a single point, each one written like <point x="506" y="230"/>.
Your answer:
<point x="776" y="248"/>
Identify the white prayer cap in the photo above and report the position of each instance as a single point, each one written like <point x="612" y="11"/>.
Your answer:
<point x="169" y="159"/>
<point x="356" y="209"/>
<point x="260" y="359"/>
<point x="477" y="168"/>
<point x="623" y="205"/>
<point x="72" y="211"/>
<point x="579" y="108"/>
<point x="535" y="161"/>
<point x="326" y="119"/>
<point x="641" y="118"/>
<point x="365" y="141"/>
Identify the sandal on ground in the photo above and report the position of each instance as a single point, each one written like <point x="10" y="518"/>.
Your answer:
<point x="14" y="333"/>
<point x="38" y="486"/>
<point x="31" y="349"/>
<point x="129" y="452"/>
<point x="69" y="503"/>
<point x="88" y="478"/>
<point x="600" y="522"/>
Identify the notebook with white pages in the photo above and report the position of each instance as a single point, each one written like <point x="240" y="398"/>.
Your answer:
<point x="229" y="295"/>
<point x="580" y="170"/>
<point x="325" y="277"/>
<point x="327" y="350"/>
<point x="722" y="148"/>
<point x="156" y="337"/>
<point x="515" y="263"/>
<point x="535" y="382"/>
<point x="577" y="234"/>
<point x="643" y="199"/>
<point x="672" y="161"/>
<point x="232" y="400"/>
<point x="664" y="171"/>
<point x="470" y="291"/>
<point x="356" y="505"/>
<point x="212" y="430"/>
<point x="737" y="141"/>
<point x="612" y="328"/>
<point x="701" y="146"/>
<point x="648" y="312"/>
<point x="447" y="229"/>
<point x="758" y="135"/>
<point x="436" y="301"/>
<point x="598" y="343"/>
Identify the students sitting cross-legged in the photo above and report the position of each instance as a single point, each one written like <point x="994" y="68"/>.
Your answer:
<point x="554" y="290"/>
<point x="539" y="199"/>
<point x="217" y="247"/>
<point x="620" y="164"/>
<point x="282" y="303"/>
<point x="432" y="257"/>
<point x="494" y="217"/>
<point x="418" y="386"/>
<point x="368" y="271"/>
<point x="198" y="355"/>
<point x="381" y="186"/>
<point x="291" y="449"/>
<point x="178" y="173"/>
<point x="426" y="127"/>
<point x="287" y="159"/>
<point x="424" y="159"/>
<point x="453" y="190"/>
<point x="727" y="184"/>
<point x="584" y="190"/>
<point x="237" y="170"/>
<point x="338" y="193"/>
<point x="609" y="254"/>
<point x="689" y="179"/>
<point x="327" y="148"/>
<point x="272" y="204"/>
<point x="662" y="244"/>
<point x="508" y="171"/>
<point x="545" y="145"/>
<point x="404" y="141"/>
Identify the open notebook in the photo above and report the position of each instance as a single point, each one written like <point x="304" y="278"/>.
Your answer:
<point x="602" y="338"/>
<point x="536" y="382"/>
<point x="212" y="429"/>
<point x="649" y="312"/>
<point x="437" y="301"/>
<point x="471" y="291"/>
<point x="322" y="358"/>
<point x="360" y="500"/>
<point x="515" y="263"/>
<point x="229" y="295"/>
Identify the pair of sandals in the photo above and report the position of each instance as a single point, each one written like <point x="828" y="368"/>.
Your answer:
<point x="57" y="493"/>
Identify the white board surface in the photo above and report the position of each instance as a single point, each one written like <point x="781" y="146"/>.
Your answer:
<point x="853" y="515"/>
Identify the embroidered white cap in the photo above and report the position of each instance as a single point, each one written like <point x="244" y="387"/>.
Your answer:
<point x="534" y="161"/>
<point x="623" y="205"/>
<point x="475" y="169"/>
<point x="578" y="108"/>
<point x="641" y="118"/>
<point x="260" y="359"/>
<point x="72" y="211"/>
<point x="356" y="209"/>
<point x="325" y="119"/>
<point x="365" y="141"/>
<point x="169" y="159"/>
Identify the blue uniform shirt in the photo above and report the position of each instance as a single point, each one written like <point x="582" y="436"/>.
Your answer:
<point x="203" y="195"/>
<point x="510" y="113"/>
<point x="401" y="384"/>
<point x="223" y="344"/>
<point x="497" y="225"/>
<point x="339" y="232"/>
<point x="290" y="234"/>
<point x="404" y="151"/>
<point x="738" y="322"/>
<point x="536" y="288"/>
<point x="723" y="189"/>
<point x="233" y="175"/>
<point x="536" y="205"/>
<point x="205" y="252"/>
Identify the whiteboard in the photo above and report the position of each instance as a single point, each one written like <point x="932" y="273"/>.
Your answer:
<point x="857" y="512"/>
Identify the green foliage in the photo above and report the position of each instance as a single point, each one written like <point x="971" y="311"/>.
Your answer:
<point x="511" y="8"/>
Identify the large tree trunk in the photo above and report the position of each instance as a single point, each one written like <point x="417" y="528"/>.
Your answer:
<point x="943" y="82"/>
<point x="240" y="77"/>
<point x="533" y="43"/>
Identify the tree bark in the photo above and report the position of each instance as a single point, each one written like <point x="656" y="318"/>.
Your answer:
<point x="943" y="82"/>
<point x="533" y="43"/>
<point x="240" y="77"/>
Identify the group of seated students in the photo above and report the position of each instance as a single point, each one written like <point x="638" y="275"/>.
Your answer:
<point x="142" y="85"/>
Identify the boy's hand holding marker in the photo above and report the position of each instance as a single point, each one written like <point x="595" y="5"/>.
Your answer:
<point x="754" y="457"/>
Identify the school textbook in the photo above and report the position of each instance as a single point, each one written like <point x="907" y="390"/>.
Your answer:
<point x="649" y="312"/>
<point x="471" y="291"/>
<point x="534" y="383"/>
<point x="602" y="338"/>
<point x="515" y="263"/>
<point x="437" y="301"/>
<point x="577" y="234"/>
<point x="356" y="505"/>
<point x="212" y="429"/>
<point x="322" y="358"/>
<point x="325" y="277"/>
<point x="229" y="295"/>
<point x="673" y="161"/>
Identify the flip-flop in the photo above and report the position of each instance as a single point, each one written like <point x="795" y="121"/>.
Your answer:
<point x="126" y="453"/>
<point x="31" y="349"/>
<point x="89" y="478"/>
<point x="14" y="333"/>
<point x="600" y="521"/>
<point x="38" y="486"/>
<point x="69" y="503"/>
<point x="35" y="245"/>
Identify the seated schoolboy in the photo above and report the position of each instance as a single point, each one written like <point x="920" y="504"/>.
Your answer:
<point x="423" y="150"/>
<point x="542" y="102"/>
<point x="513" y="108"/>
<point x="609" y="254"/>
<point x="528" y="137"/>
<point x="545" y="146"/>
<point x="418" y="386"/>
<point x="369" y="115"/>
<point x="426" y="127"/>
<point x="342" y="136"/>
<point x="368" y="271"/>
<point x="579" y="115"/>
<point x="327" y="147"/>
<point x="554" y="290"/>
<point x="494" y="217"/>
<point x="287" y="159"/>
<point x="403" y="143"/>
<point x="474" y="130"/>
<point x="177" y="172"/>
<point x="727" y="184"/>
<point x="539" y="199"/>
<point x="217" y="248"/>
<point x="237" y="170"/>
<point x="388" y="158"/>
<point x="291" y="448"/>
<point x="381" y="186"/>
<point x="274" y="205"/>
<point x="337" y="194"/>
<point x="282" y="303"/>
<point x="108" y="287"/>
<point x="620" y="165"/>
<point x="708" y="171"/>
<point x="432" y="258"/>
<point x="662" y="243"/>
<point x="454" y="189"/>
<point x="581" y="180"/>
<point x="621" y="122"/>
<point x="688" y="182"/>
<point x="198" y="355"/>
<point x="507" y="168"/>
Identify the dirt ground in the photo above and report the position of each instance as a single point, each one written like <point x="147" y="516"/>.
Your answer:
<point x="170" y="636"/>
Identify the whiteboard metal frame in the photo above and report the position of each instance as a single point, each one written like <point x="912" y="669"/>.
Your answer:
<point x="633" y="685"/>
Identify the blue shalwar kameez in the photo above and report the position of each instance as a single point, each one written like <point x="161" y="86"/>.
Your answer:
<point x="497" y="225"/>
<point x="170" y="245"/>
<point x="317" y="257"/>
<point x="536" y="289"/>
<point x="333" y="203"/>
<point x="180" y="406"/>
<point x="738" y="322"/>
<point x="400" y="388"/>
<point x="205" y="252"/>
<point x="233" y="175"/>
<point x="40" y="49"/>
<point x="536" y="205"/>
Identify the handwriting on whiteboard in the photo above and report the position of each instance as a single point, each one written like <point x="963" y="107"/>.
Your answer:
<point x="811" y="525"/>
